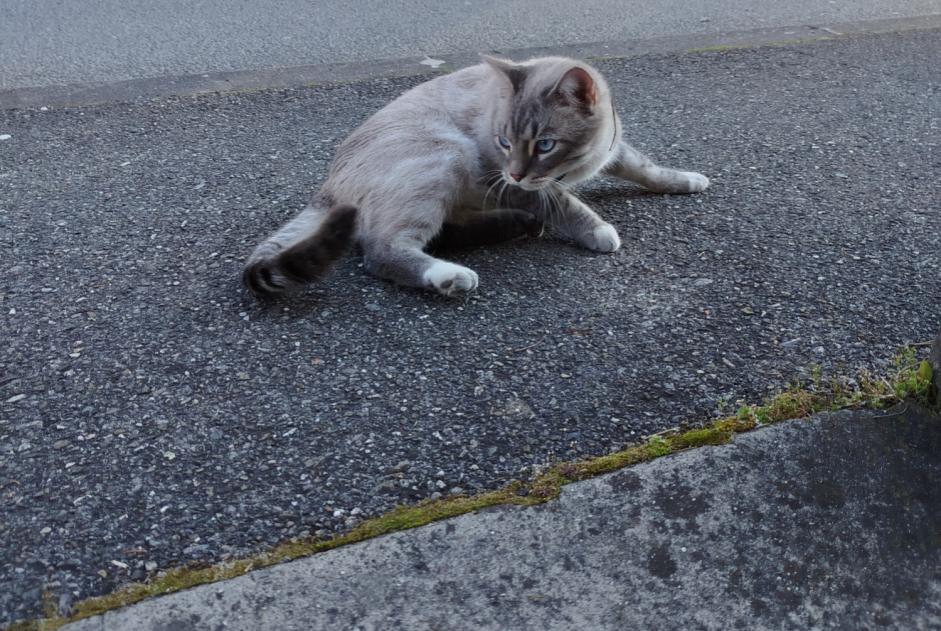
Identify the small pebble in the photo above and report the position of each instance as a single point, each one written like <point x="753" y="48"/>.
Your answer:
<point x="402" y="466"/>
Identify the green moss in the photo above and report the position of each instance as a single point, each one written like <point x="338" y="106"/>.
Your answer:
<point x="909" y="378"/>
<point x="796" y="402"/>
<point x="736" y="424"/>
<point x="657" y="446"/>
<point x="613" y="461"/>
<point x="699" y="437"/>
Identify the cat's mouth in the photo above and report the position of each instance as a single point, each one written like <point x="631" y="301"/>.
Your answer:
<point x="532" y="184"/>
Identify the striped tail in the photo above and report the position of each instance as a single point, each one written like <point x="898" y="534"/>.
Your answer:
<point x="275" y="268"/>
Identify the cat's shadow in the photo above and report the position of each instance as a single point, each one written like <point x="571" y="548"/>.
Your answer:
<point x="349" y="289"/>
<point x="548" y="251"/>
<point x="612" y="191"/>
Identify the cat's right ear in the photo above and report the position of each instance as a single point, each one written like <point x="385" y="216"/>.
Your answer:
<point x="577" y="88"/>
<point x="512" y="71"/>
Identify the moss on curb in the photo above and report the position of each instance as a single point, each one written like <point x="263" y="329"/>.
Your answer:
<point x="909" y="379"/>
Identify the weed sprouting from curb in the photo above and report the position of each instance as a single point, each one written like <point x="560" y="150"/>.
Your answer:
<point x="909" y="379"/>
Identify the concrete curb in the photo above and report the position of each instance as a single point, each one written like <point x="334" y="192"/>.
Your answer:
<point x="274" y="78"/>
<point x="830" y="521"/>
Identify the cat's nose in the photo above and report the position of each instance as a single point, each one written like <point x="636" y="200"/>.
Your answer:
<point x="516" y="176"/>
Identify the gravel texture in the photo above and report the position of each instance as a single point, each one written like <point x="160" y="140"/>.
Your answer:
<point x="152" y="414"/>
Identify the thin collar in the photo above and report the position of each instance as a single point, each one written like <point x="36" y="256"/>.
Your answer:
<point x="614" y="119"/>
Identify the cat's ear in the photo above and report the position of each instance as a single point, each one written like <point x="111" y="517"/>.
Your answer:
<point x="576" y="87"/>
<point x="514" y="72"/>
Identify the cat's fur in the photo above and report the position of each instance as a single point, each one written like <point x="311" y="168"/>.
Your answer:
<point x="432" y="167"/>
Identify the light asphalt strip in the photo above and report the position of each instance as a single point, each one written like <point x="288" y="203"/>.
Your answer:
<point x="298" y="76"/>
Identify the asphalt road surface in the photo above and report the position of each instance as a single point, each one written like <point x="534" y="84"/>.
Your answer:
<point x="48" y="43"/>
<point x="152" y="414"/>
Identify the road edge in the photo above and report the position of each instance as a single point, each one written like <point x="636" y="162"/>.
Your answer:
<point x="299" y="76"/>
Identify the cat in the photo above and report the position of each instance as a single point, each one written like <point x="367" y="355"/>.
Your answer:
<point x="485" y="154"/>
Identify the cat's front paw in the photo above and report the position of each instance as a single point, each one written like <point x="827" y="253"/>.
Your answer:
<point x="450" y="279"/>
<point x="531" y="225"/>
<point x="604" y="238"/>
<point x="695" y="182"/>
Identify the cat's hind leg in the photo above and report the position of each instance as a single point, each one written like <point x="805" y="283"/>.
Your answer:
<point x="634" y="166"/>
<point x="394" y="250"/>
<point x="404" y="262"/>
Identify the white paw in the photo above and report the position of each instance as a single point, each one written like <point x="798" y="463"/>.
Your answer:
<point x="603" y="239"/>
<point x="449" y="278"/>
<point x="697" y="182"/>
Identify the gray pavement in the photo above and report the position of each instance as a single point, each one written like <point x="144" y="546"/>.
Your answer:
<point x="249" y="80"/>
<point x="831" y="523"/>
<point x="151" y="414"/>
<point x="47" y="43"/>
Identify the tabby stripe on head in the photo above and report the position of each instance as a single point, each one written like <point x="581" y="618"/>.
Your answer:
<point x="304" y="261"/>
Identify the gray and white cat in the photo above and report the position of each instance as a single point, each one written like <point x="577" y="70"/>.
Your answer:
<point x="481" y="155"/>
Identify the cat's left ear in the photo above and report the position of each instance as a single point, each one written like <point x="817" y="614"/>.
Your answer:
<point x="576" y="87"/>
<point x="514" y="72"/>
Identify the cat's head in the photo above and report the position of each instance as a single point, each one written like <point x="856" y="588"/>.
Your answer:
<point x="554" y="118"/>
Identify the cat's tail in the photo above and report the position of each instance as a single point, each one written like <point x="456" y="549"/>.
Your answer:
<point x="284" y="262"/>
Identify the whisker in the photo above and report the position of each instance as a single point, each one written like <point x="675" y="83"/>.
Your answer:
<point x="555" y="207"/>
<point x="496" y="181"/>
<point x="556" y="181"/>
<point x="493" y="178"/>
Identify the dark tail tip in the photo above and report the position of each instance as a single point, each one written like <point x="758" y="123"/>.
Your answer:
<point x="252" y="278"/>
<point x="304" y="261"/>
<point x="336" y="232"/>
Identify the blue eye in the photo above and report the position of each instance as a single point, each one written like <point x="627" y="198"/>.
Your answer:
<point x="544" y="145"/>
<point x="504" y="142"/>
